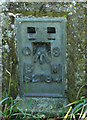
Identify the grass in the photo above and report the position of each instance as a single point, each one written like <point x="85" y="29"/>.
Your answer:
<point x="11" y="109"/>
<point x="79" y="111"/>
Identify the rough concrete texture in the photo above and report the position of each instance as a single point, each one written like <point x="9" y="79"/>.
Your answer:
<point x="51" y="106"/>
<point x="75" y="12"/>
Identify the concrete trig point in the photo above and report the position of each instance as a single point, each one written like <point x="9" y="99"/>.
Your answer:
<point x="41" y="49"/>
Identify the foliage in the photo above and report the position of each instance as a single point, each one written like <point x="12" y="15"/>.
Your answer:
<point x="77" y="112"/>
<point x="11" y="109"/>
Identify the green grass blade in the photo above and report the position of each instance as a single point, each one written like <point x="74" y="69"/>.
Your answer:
<point x="3" y="94"/>
<point x="25" y="87"/>
<point x="30" y="102"/>
<point x="76" y="107"/>
<point x="11" y="107"/>
<point x="21" y="110"/>
<point x="4" y="100"/>
<point x="16" y="104"/>
<point x="2" y="114"/>
<point x="75" y="102"/>
<point x="83" y="109"/>
<point x="38" y="115"/>
<point x="15" y="114"/>
<point x="63" y="111"/>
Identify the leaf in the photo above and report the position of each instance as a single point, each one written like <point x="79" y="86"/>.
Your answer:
<point x="77" y="106"/>
<point x="21" y="110"/>
<point x="15" y="114"/>
<point x="78" y="109"/>
<point x="4" y="100"/>
<point x="25" y="87"/>
<point x="74" y="109"/>
<point x="63" y="111"/>
<point x="30" y="102"/>
<point x="84" y="115"/>
<point x="84" y="106"/>
<point x="67" y="113"/>
<point x="85" y="118"/>
<point x="3" y="94"/>
<point x="16" y="105"/>
<point x="75" y="102"/>
<point x="2" y="113"/>
<point x="40" y="116"/>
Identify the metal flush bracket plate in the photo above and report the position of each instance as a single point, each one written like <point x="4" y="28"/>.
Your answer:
<point x="41" y="50"/>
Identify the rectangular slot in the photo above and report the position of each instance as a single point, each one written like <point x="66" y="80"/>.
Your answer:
<point x="51" y="30"/>
<point x="31" y="30"/>
<point x="31" y="39"/>
<point x="51" y="38"/>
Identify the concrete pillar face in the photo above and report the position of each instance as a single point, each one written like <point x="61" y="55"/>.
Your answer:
<point x="41" y="44"/>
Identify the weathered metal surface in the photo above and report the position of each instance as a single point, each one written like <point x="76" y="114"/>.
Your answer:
<point x="41" y="52"/>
